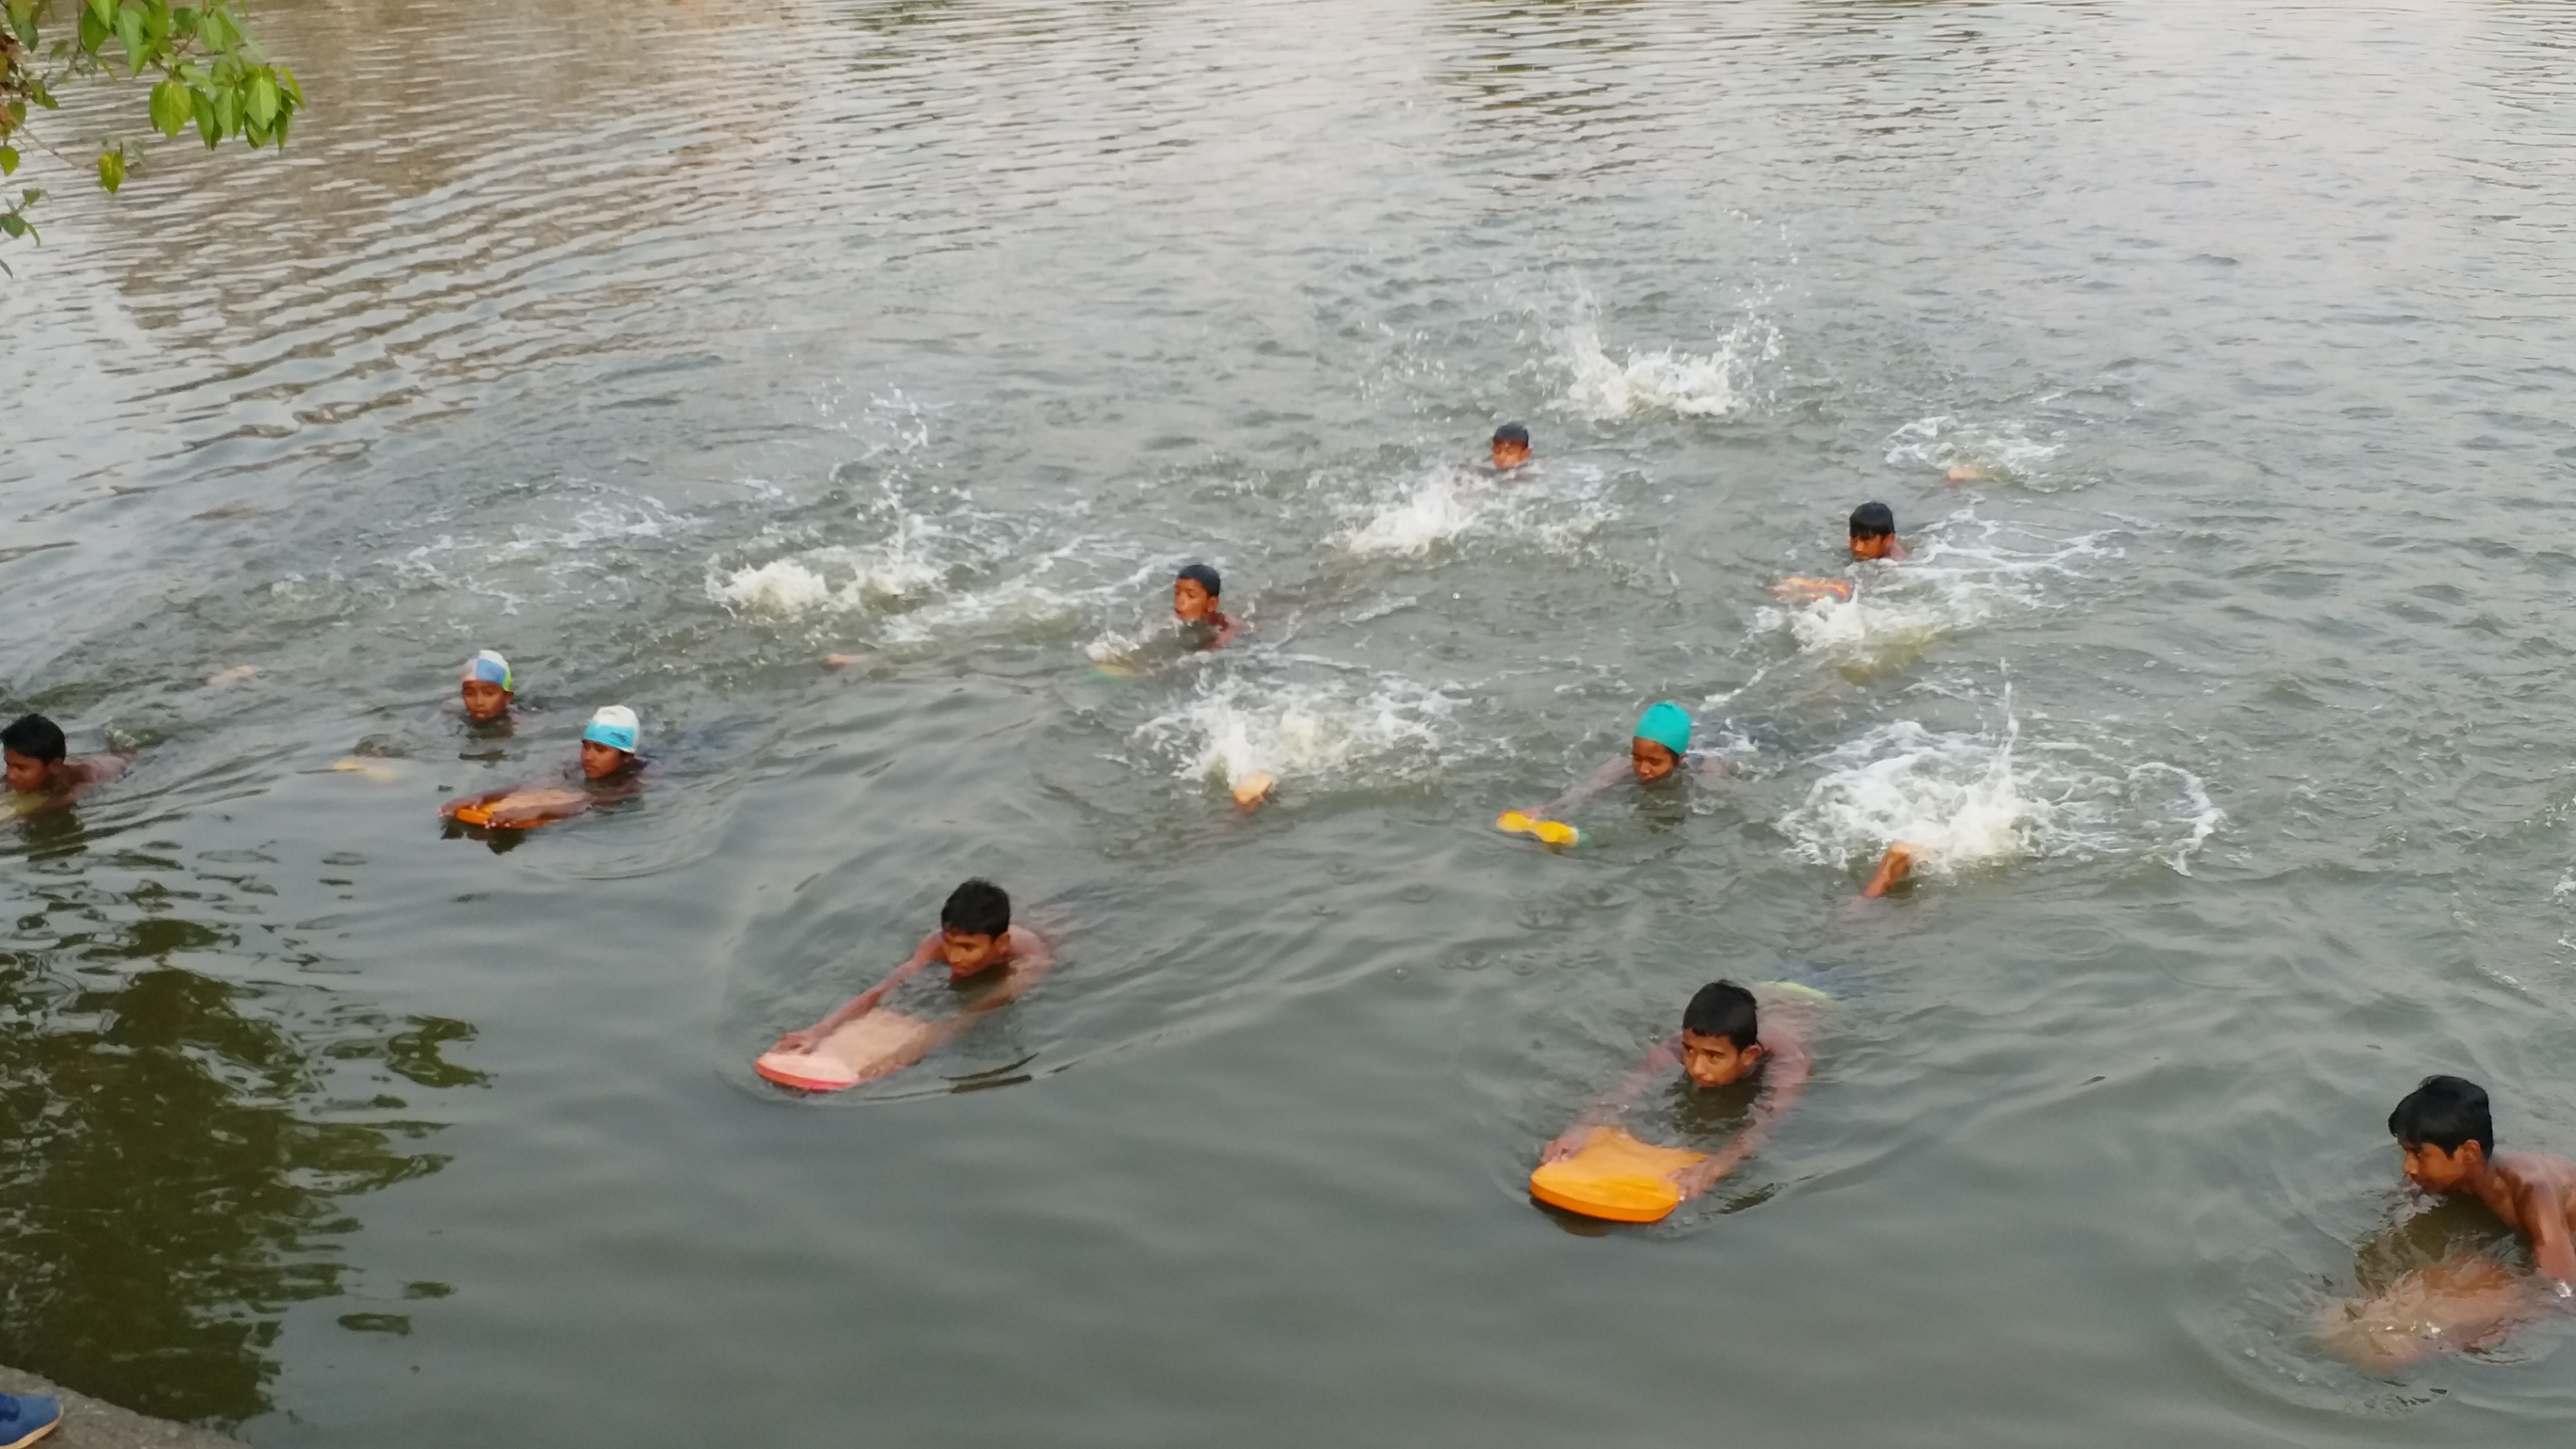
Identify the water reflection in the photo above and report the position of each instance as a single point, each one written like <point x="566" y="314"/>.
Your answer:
<point x="177" y="1166"/>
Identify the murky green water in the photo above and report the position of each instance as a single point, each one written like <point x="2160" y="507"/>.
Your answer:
<point x="669" y="348"/>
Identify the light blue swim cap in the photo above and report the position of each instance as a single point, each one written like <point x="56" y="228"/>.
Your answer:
<point x="488" y="666"/>
<point x="614" y="726"/>
<point x="1667" y="724"/>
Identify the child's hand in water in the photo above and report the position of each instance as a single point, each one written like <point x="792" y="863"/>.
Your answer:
<point x="801" y="1042"/>
<point x="1568" y="1144"/>
<point x="1699" y="1177"/>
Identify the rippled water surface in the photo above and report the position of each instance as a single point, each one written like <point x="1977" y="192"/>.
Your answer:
<point x="671" y="347"/>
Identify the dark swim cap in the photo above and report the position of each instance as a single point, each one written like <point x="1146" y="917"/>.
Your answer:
<point x="1512" y="433"/>
<point x="1204" y="577"/>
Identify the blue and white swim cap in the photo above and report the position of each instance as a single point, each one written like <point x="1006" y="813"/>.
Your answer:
<point x="614" y="726"/>
<point x="488" y="666"/>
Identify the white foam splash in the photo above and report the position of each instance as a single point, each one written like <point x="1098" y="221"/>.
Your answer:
<point x="2004" y="451"/>
<point x="1964" y="799"/>
<point x="841" y="579"/>
<point x="1557" y="507"/>
<point x="1958" y="578"/>
<point x="1689" y="384"/>
<point x="1386" y="730"/>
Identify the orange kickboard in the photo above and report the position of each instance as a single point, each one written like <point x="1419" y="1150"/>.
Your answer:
<point x="875" y="1045"/>
<point x="545" y="799"/>
<point x="1615" y="1177"/>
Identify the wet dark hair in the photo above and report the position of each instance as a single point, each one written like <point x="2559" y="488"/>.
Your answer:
<point x="1512" y="433"/>
<point x="1722" y="1008"/>
<point x="34" y="736"/>
<point x="1204" y="577"/>
<point x="977" y="908"/>
<point x="1873" y="520"/>
<point x="2444" y="1112"/>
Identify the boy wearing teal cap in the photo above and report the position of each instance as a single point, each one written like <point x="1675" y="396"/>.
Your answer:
<point x="1659" y="746"/>
<point x="608" y="769"/>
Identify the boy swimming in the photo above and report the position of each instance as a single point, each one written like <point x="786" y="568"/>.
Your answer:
<point x="608" y="771"/>
<point x="40" y="769"/>
<point x="977" y="943"/>
<point x="1659" y="747"/>
<point x="1722" y="1042"/>
<point x="488" y="688"/>
<point x="1511" y="447"/>
<point x="2448" y="1137"/>
<point x="1873" y="533"/>
<point x="1195" y="593"/>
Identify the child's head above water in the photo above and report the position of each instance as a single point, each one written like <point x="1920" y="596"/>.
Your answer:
<point x="1873" y="530"/>
<point x="1663" y="736"/>
<point x="2445" y="1130"/>
<point x="33" y="746"/>
<point x="1195" y="592"/>
<point x="1511" y="445"/>
<point x="974" y="927"/>
<point x="487" y="686"/>
<point x="1721" y="1034"/>
<point x="608" y="741"/>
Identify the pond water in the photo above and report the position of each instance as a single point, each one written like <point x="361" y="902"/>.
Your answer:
<point x="671" y="347"/>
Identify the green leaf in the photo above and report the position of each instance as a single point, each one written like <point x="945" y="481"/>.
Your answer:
<point x="93" y="31"/>
<point x="171" y="106"/>
<point x="263" y="99"/>
<point x="111" y="169"/>
<point x="204" y="106"/>
<point x="8" y="160"/>
<point x="13" y="224"/>
<point x="104" y="11"/>
<point x="227" y="112"/>
<point x="129" y="33"/>
<point x="218" y="32"/>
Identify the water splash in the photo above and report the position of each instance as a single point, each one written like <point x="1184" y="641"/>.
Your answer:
<point x="1556" y="507"/>
<point x="1664" y="380"/>
<point x="1384" y="731"/>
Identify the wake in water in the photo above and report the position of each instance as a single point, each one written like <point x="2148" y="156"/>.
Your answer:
<point x="1377" y="731"/>
<point x="1664" y="380"/>
<point x="1968" y="799"/>
<point x="1960" y="577"/>
<point x="1556" y="506"/>
<point x="1967" y="452"/>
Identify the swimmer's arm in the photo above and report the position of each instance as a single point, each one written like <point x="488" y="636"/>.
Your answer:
<point x="2544" y="1212"/>
<point x="1784" y="1078"/>
<point x="1593" y="784"/>
<point x="1226" y="632"/>
<point x="866" y="1001"/>
<point x="448" y="810"/>
<point x="1606" y="1109"/>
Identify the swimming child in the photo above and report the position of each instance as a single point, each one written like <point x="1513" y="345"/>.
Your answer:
<point x="976" y="942"/>
<point x="608" y="772"/>
<point x="42" y="772"/>
<point x="2448" y="1137"/>
<point x="1511" y="447"/>
<point x="1873" y="533"/>
<point x="1194" y="602"/>
<point x="488" y="688"/>
<point x="1722" y="1042"/>
<point x="1660" y="749"/>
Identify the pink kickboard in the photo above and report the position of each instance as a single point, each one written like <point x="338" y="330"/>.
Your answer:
<point x="875" y="1045"/>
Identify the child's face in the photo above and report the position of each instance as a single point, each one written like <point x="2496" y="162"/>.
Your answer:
<point x="967" y="953"/>
<point x="1875" y="547"/>
<point x="2434" y="1170"/>
<point x="1651" y="761"/>
<point x="485" y="700"/>
<point x="26" y="772"/>
<point x="1713" y="1061"/>
<point x="1510" y="455"/>
<point x="599" y="761"/>
<point x="1191" y="601"/>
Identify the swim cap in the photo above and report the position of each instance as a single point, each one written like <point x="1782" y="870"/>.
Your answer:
<point x="1204" y="577"/>
<point x="614" y="726"/>
<point x="488" y="666"/>
<point x="1667" y="724"/>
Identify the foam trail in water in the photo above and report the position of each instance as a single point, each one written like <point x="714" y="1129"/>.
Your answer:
<point x="1965" y="799"/>
<point x="2002" y="452"/>
<point x="1958" y="578"/>
<point x="1555" y="506"/>
<point x="835" y="578"/>
<point x="1687" y="384"/>
<point x="1381" y="732"/>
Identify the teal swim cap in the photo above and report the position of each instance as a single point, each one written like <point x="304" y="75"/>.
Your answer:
<point x="1667" y="724"/>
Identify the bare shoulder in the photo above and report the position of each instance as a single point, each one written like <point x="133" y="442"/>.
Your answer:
<point x="2528" y="1170"/>
<point x="95" y="769"/>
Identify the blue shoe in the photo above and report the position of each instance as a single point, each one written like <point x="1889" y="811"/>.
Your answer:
<point x="24" y="1419"/>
